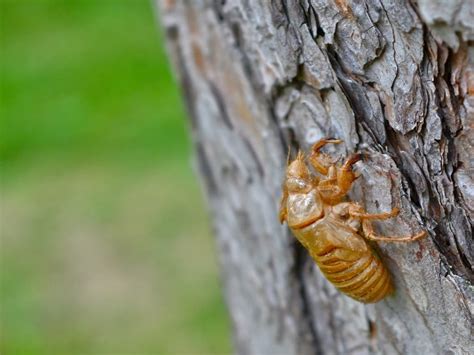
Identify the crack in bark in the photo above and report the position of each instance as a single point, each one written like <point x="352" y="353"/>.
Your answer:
<point x="393" y="45"/>
<point x="221" y="105"/>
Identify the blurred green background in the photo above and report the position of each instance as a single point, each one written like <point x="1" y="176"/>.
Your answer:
<point x="105" y="243"/>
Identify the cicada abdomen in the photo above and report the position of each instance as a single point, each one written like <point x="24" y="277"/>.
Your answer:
<point x="346" y="260"/>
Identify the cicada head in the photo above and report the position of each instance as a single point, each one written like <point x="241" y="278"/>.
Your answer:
<point x="301" y="201"/>
<point x="298" y="177"/>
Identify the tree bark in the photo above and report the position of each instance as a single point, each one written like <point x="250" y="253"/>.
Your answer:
<point x="392" y="78"/>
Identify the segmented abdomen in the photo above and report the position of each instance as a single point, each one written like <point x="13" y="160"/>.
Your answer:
<point x="346" y="259"/>
<point x="365" y="279"/>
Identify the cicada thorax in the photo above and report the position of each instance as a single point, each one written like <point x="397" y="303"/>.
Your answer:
<point x="346" y="259"/>
<point x="303" y="208"/>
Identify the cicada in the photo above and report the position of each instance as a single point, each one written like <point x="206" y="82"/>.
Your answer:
<point x="336" y="232"/>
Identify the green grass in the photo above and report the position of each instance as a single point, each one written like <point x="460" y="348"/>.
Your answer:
<point x="105" y="243"/>
<point x="86" y="77"/>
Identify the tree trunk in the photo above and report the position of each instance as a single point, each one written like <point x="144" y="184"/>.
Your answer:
<point x="392" y="78"/>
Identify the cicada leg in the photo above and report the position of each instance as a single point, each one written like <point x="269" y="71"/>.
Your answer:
<point x="322" y="142"/>
<point x="370" y="234"/>
<point x="319" y="161"/>
<point x="339" y="180"/>
<point x="331" y="178"/>
<point x="330" y="192"/>
<point x="345" y="175"/>
<point x="359" y="213"/>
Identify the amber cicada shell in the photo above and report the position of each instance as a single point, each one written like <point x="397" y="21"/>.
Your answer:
<point x="335" y="231"/>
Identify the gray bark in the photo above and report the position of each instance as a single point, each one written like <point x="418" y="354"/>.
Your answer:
<point x="394" y="79"/>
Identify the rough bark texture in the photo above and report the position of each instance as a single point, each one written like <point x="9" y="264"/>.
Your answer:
<point x="390" y="77"/>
